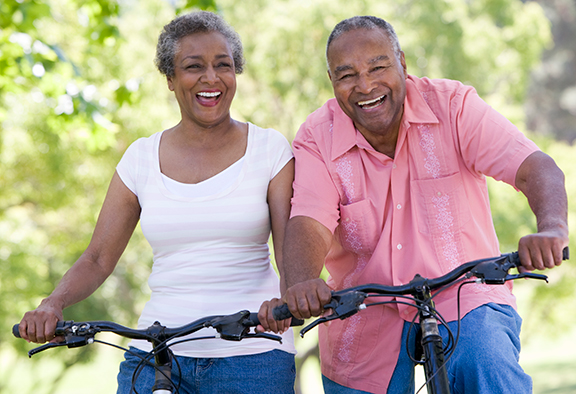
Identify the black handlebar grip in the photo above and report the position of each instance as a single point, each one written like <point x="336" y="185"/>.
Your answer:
<point x="566" y="253"/>
<point x="254" y="321"/>
<point x="253" y="318"/>
<point x="281" y="312"/>
<point x="15" y="331"/>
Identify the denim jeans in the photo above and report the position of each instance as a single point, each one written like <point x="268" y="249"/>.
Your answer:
<point x="270" y="372"/>
<point x="485" y="360"/>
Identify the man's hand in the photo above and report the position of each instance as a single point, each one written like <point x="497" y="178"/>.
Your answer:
<point x="307" y="299"/>
<point x="542" y="250"/>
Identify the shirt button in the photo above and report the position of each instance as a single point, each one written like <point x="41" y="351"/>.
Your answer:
<point x="394" y="165"/>
<point x="347" y="219"/>
<point x="399" y="246"/>
<point x="439" y="194"/>
<point x="399" y="206"/>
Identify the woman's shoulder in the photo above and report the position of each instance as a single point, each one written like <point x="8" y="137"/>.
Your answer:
<point x="144" y="144"/>
<point x="267" y="136"/>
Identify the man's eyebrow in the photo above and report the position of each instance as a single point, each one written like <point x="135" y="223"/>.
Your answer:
<point x="343" y="68"/>
<point x="378" y="59"/>
<point x="347" y="67"/>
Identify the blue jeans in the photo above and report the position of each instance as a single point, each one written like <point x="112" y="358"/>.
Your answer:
<point x="270" y="372"/>
<point x="485" y="360"/>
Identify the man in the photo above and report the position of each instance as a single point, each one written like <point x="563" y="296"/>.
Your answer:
<point x="390" y="182"/>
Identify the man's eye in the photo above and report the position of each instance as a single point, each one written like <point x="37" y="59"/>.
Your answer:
<point x="380" y="68"/>
<point x="345" y="76"/>
<point x="224" y="65"/>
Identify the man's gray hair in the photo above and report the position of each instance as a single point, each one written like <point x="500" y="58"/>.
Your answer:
<point x="368" y="23"/>
<point x="192" y="23"/>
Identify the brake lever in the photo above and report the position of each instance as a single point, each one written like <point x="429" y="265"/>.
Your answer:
<point x="45" y="347"/>
<point x="528" y="275"/>
<point x="263" y="335"/>
<point x="71" y="341"/>
<point x="231" y="327"/>
<point x="342" y="305"/>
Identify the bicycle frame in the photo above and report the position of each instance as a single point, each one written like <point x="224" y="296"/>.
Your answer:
<point x="432" y="346"/>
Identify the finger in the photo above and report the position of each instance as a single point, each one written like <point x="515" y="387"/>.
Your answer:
<point x="263" y="316"/>
<point x="23" y="330"/>
<point x="524" y="254"/>
<point x="40" y="332"/>
<point x="558" y="255"/>
<point x="294" y="308"/>
<point x="548" y="258"/>
<point x="50" y="329"/>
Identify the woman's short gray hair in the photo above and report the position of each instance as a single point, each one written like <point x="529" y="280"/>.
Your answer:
<point x="192" y="23"/>
<point x="368" y="23"/>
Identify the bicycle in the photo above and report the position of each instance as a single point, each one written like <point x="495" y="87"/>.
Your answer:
<point x="234" y="327"/>
<point x="430" y="350"/>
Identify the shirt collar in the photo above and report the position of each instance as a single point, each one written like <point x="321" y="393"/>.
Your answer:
<point x="345" y="136"/>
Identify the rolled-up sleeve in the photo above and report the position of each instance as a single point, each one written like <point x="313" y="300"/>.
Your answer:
<point x="315" y="194"/>
<point x="490" y="144"/>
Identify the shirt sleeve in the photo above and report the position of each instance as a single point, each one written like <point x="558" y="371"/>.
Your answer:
<point x="279" y="151"/>
<point x="315" y="194"/>
<point x="490" y="144"/>
<point x="127" y="167"/>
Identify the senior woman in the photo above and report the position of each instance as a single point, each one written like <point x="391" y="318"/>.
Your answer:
<point x="207" y="191"/>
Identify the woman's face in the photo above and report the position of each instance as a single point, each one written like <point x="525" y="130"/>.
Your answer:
<point x="204" y="80"/>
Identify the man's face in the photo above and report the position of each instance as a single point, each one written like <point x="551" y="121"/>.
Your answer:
<point x="369" y="81"/>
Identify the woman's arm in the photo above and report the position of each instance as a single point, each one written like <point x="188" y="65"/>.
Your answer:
<point x="118" y="218"/>
<point x="279" y="195"/>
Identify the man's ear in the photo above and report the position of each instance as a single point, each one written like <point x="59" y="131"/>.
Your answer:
<point x="170" y="83"/>
<point x="403" y="63"/>
<point x="329" y="75"/>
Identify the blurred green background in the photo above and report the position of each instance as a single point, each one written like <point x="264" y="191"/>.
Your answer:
<point x="78" y="85"/>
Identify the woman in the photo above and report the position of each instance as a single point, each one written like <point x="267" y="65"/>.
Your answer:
<point x="208" y="192"/>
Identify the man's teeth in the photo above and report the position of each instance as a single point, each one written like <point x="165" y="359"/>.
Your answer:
<point x="370" y="102"/>
<point x="209" y="94"/>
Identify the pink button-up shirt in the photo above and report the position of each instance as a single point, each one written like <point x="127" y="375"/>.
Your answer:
<point x="426" y="211"/>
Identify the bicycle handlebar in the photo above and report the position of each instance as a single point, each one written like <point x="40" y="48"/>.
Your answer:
<point x="234" y="327"/>
<point x="347" y="302"/>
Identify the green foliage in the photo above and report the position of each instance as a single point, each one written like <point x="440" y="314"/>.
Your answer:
<point x="78" y="85"/>
<point x="72" y="97"/>
<point x="490" y="44"/>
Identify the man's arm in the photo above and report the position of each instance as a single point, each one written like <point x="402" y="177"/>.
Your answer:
<point x="306" y="244"/>
<point x="542" y="182"/>
<point x="305" y="247"/>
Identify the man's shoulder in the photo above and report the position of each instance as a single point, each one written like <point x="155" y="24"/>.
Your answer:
<point x="439" y="85"/>
<point x="323" y="116"/>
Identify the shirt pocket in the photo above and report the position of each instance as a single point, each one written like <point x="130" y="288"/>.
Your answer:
<point x="440" y="205"/>
<point x="358" y="227"/>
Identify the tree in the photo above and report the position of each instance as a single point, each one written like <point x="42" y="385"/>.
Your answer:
<point x="551" y="103"/>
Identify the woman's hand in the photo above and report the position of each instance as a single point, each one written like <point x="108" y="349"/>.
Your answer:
<point x="39" y="325"/>
<point x="267" y="321"/>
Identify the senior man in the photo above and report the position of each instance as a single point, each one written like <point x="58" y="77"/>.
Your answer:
<point x="390" y="182"/>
